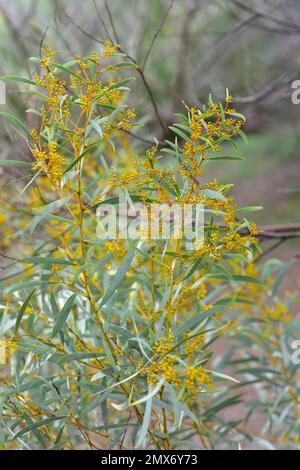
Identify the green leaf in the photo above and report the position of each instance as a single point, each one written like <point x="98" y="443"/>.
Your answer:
<point x="77" y="160"/>
<point x="167" y="187"/>
<point x="225" y="274"/>
<point x="15" y="122"/>
<point x="38" y="424"/>
<point x="62" y="317"/>
<point x="35" y="93"/>
<point x="244" y="210"/>
<point x="226" y="157"/>
<point x="197" y="319"/>
<point x="53" y="304"/>
<point x="116" y="85"/>
<point x="121" y="83"/>
<point x="280" y="277"/>
<point x="180" y="133"/>
<point x="244" y="278"/>
<point x="146" y="422"/>
<point x="212" y="194"/>
<point x="15" y="163"/>
<point x="193" y="268"/>
<point x="222" y="376"/>
<point x="80" y="356"/>
<point x="239" y="115"/>
<point x="221" y="405"/>
<point x="233" y="277"/>
<point x="118" y="277"/>
<point x="22" y="310"/>
<point x="116" y="112"/>
<point x="116" y="200"/>
<point x="16" y="78"/>
<point x="150" y="394"/>
<point x="238" y="131"/>
<point x="126" y="64"/>
<point x="64" y="69"/>
<point x="38" y="283"/>
<point x="46" y="211"/>
<point x="48" y="260"/>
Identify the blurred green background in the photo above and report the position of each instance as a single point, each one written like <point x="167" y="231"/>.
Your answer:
<point x="193" y="47"/>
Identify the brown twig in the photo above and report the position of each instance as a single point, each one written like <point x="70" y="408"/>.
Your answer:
<point x="138" y="68"/>
<point x="282" y="231"/>
<point x="102" y="21"/>
<point x="270" y="249"/>
<point x="111" y="20"/>
<point x="267" y="16"/>
<point x="42" y="41"/>
<point x="157" y="34"/>
<point x="269" y="89"/>
<point x="279" y="231"/>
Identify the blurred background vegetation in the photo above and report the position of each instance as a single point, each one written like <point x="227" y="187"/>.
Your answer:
<point x="184" y="50"/>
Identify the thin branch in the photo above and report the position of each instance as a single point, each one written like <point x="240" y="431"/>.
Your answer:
<point x="222" y="47"/>
<point x="269" y="29"/>
<point x="142" y="139"/>
<point x="138" y="68"/>
<point x="267" y="16"/>
<point x="10" y="257"/>
<point x="157" y="33"/>
<point x="42" y="41"/>
<point x="277" y="231"/>
<point x="269" y="89"/>
<point x="83" y="31"/>
<point x="180" y="78"/>
<point x="102" y="21"/>
<point x="153" y="101"/>
<point x="284" y="231"/>
<point x="140" y="71"/>
<point x="65" y="42"/>
<point x="270" y="249"/>
<point x="111" y="21"/>
<point x="125" y="432"/>
<point x="17" y="37"/>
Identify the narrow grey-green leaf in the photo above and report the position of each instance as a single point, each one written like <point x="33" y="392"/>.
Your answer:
<point x="38" y="424"/>
<point x="46" y="211"/>
<point x="193" y="268"/>
<point x="22" y="310"/>
<point x="16" y="78"/>
<point x="64" y="69"/>
<point x="62" y="317"/>
<point x="15" y="122"/>
<point x="14" y="163"/>
<point x="48" y="260"/>
<point x="118" y="277"/>
<point x="210" y="193"/>
<point x="146" y="421"/>
<point x="226" y="157"/>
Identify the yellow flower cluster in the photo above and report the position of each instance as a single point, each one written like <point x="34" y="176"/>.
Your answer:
<point x="191" y="347"/>
<point x="78" y="94"/>
<point x="125" y="124"/>
<point x="166" y="365"/>
<point x="50" y="162"/>
<point x="110" y="48"/>
<point x="117" y="247"/>
<point x="197" y="381"/>
<point x="277" y="313"/>
<point x="6" y="347"/>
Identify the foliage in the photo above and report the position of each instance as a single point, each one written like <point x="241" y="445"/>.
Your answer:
<point x="113" y="343"/>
